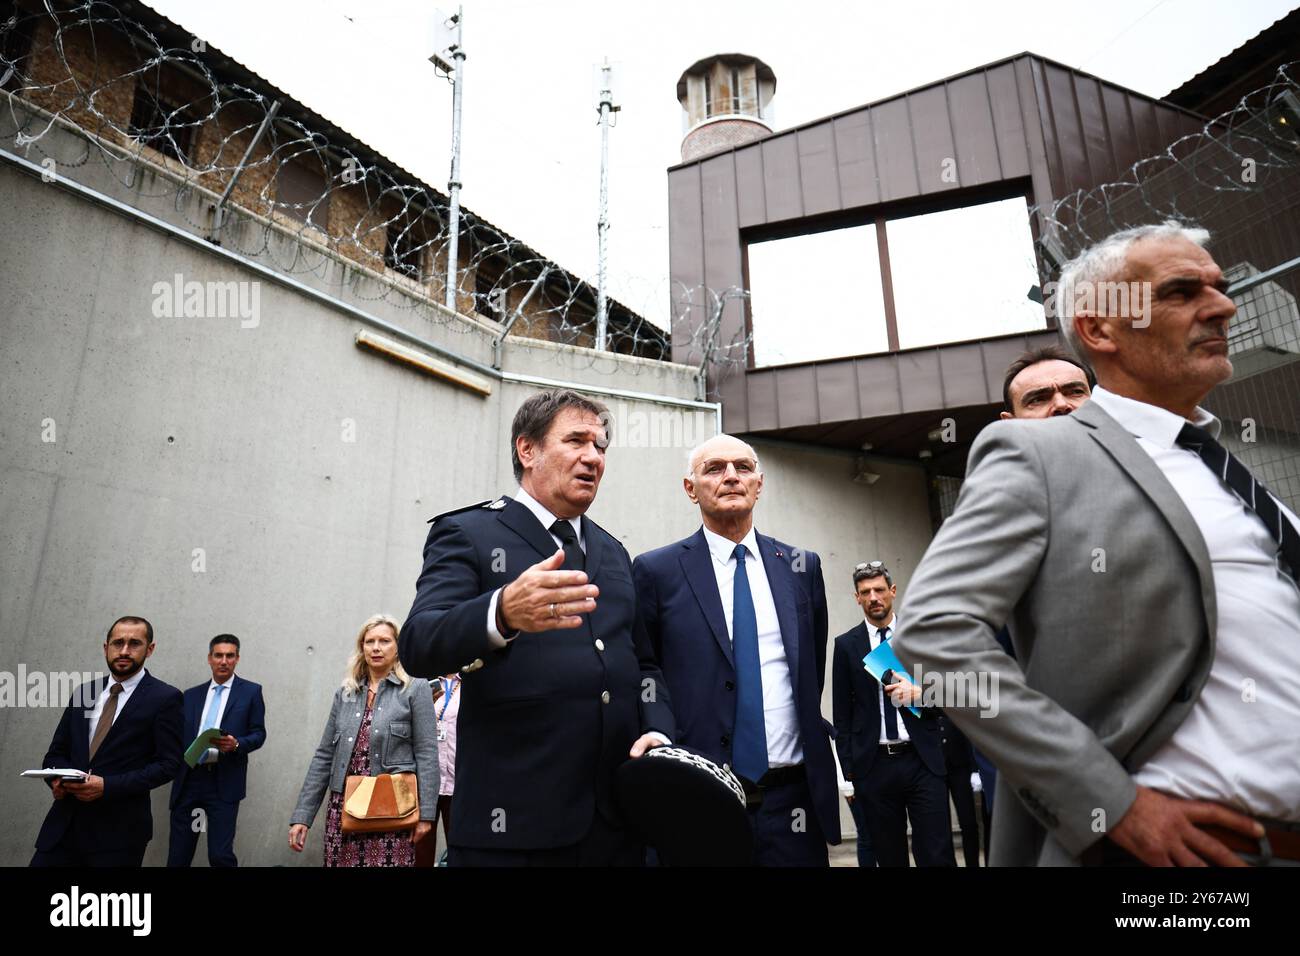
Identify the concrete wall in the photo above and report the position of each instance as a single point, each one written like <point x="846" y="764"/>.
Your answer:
<point x="201" y="474"/>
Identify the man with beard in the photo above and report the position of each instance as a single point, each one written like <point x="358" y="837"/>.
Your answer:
<point x="128" y="739"/>
<point x="893" y="758"/>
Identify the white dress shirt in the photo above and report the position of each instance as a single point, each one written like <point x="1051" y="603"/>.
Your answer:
<point x="210" y="755"/>
<point x="873" y="638"/>
<point x="128" y="686"/>
<point x="780" y="719"/>
<point x="547" y="519"/>
<point x="1237" y="745"/>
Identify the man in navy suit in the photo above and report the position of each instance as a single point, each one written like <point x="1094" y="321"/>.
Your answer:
<point x="738" y="624"/>
<point x="533" y="602"/>
<point x="125" y="731"/>
<point x="893" y="758"/>
<point x="207" y="796"/>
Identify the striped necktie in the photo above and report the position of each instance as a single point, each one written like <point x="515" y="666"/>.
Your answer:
<point x="1252" y="492"/>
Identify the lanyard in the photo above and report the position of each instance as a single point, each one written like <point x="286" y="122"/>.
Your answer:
<point x="448" y="689"/>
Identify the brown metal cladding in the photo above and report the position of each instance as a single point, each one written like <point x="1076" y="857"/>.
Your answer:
<point x="1017" y="118"/>
<point x="857" y="160"/>
<point x="932" y="140"/>
<point x="749" y="187"/>
<point x="819" y="170"/>
<point x="878" y="390"/>
<point x="837" y="391"/>
<point x="971" y="113"/>
<point x="782" y="182"/>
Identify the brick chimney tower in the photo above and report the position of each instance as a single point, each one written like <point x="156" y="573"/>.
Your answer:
<point x="726" y="100"/>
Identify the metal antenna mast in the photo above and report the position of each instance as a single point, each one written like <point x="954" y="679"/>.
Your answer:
<point x="602" y="225"/>
<point x="452" y="29"/>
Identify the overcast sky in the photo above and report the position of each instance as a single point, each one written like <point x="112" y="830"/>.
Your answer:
<point x="531" y="144"/>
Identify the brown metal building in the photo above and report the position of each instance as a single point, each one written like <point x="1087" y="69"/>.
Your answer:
<point x="1021" y="127"/>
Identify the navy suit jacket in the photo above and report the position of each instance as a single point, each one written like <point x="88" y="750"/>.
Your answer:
<point x="244" y="719"/>
<point x="855" y="698"/>
<point x="545" y="721"/>
<point x="677" y="591"/>
<point x="142" y="751"/>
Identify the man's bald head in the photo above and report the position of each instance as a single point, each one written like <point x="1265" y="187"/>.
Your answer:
<point x="725" y="479"/>
<point x="727" y="446"/>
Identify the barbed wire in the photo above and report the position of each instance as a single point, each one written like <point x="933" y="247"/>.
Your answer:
<point x="1240" y="171"/>
<point x="154" y="97"/>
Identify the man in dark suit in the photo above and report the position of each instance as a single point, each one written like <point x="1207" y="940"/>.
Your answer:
<point x="533" y="602"/>
<point x="738" y="624"/>
<point x="207" y="796"/>
<point x="893" y="758"/>
<point x="125" y="731"/>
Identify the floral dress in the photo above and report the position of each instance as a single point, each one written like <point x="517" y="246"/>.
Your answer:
<point x="392" y="848"/>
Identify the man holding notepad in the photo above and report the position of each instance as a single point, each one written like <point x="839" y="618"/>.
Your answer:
<point x="125" y="732"/>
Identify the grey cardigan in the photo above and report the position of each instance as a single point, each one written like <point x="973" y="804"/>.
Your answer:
<point x="403" y="738"/>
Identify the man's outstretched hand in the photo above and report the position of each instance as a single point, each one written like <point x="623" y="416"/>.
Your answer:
<point x="544" y="598"/>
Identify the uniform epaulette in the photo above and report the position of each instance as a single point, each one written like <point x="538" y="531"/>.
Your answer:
<point x="492" y="504"/>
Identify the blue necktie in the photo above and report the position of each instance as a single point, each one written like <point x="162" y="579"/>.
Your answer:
<point x="210" y="720"/>
<point x="749" y="746"/>
<point x="891" y="712"/>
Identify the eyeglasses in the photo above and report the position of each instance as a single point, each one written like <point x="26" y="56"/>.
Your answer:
<point x="718" y="466"/>
<point x="874" y="565"/>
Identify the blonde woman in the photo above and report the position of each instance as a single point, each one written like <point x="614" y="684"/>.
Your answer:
<point x="382" y="721"/>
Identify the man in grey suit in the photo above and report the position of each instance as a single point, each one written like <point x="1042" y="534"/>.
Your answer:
<point x="1149" y="585"/>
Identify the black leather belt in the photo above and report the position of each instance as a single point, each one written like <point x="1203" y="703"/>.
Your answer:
<point x="782" y="777"/>
<point x="894" y="749"/>
<point x="775" y="777"/>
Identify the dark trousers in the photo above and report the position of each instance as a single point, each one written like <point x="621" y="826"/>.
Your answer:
<point x="963" y="799"/>
<point x="603" y="845"/>
<point x="79" y="846"/>
<point x="426" y="850"/>
<point x="866" y="855"/>
<point x="988" y="784"/>
<point x="786" y="831"/>
<point x="898" y="788"/>
<point x="199" y="792"/>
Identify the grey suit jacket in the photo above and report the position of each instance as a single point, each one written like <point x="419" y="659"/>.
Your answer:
<point x="1067" y="531"/>
<point x="403" y="739"/>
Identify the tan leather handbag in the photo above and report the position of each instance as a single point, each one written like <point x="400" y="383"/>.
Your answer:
<point x="390" y="801"/>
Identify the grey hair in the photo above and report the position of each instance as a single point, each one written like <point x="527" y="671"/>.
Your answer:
<point x="690" y="455"/>
<point x="1104" y="262"/>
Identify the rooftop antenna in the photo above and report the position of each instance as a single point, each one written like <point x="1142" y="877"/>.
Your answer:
<point x="606" y="107"/>
<point x="449" y="58"/>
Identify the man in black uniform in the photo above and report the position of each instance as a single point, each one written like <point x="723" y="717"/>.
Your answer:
<point x="533" y="602"/>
